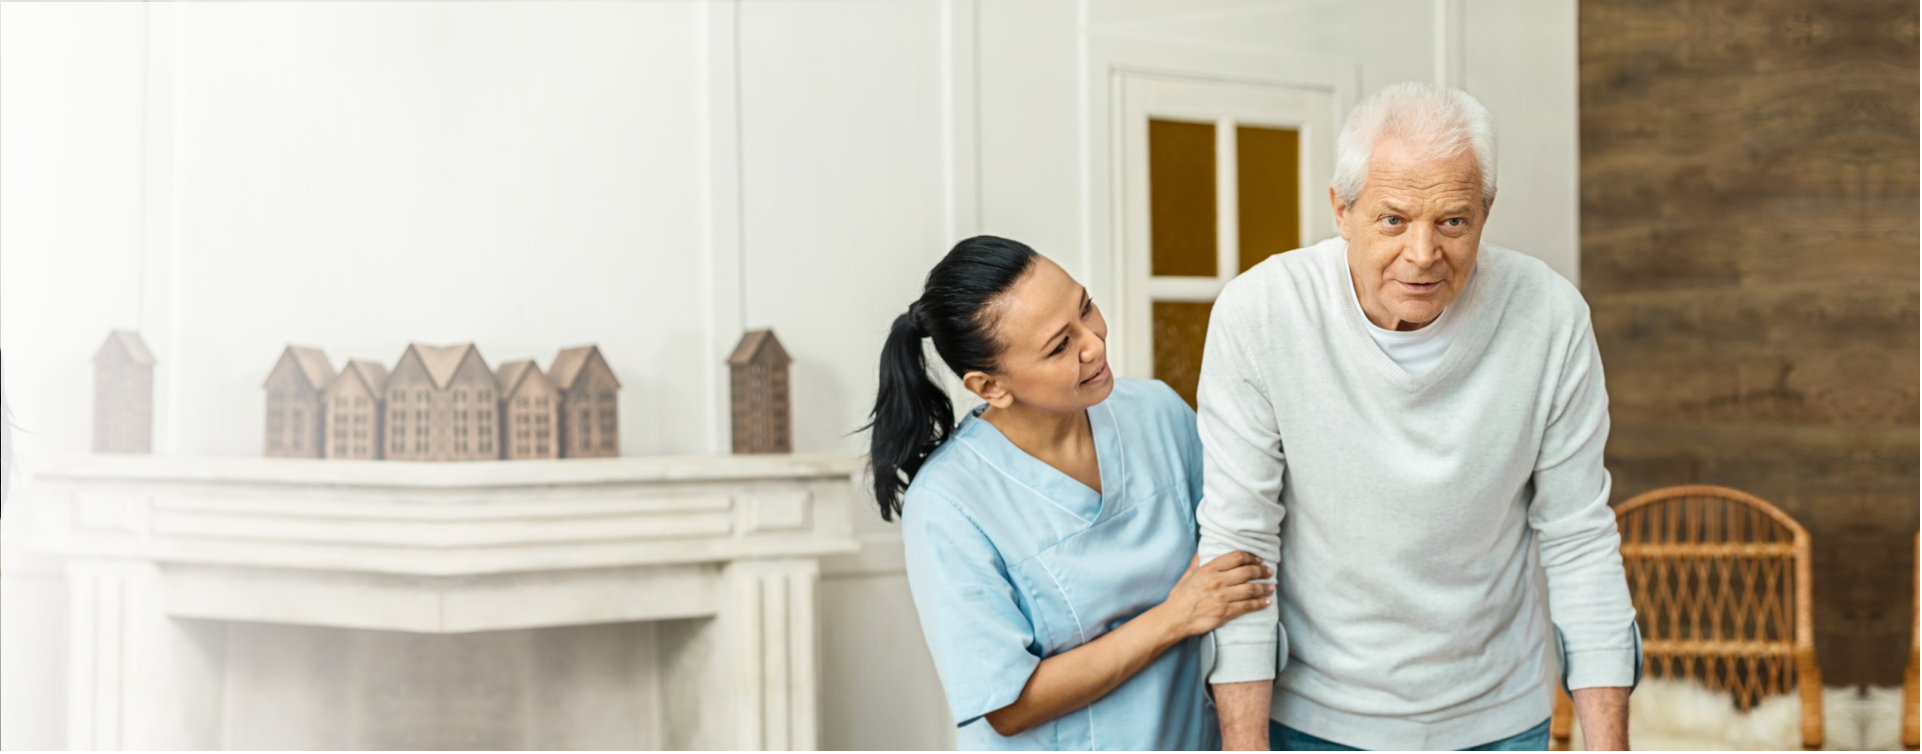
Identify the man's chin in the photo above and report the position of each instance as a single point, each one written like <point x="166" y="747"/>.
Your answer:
<point x="1415" y="320"/>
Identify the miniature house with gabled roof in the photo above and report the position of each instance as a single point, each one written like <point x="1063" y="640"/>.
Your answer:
<point x="352" y="406"/>
<point x="530" y="412"/>
<point x="441" y="403"/>
<point x="758" y="389"/>
<point x="294" y="420"/>
<point x="123" y="395"/>
<point x="589" y="412"/>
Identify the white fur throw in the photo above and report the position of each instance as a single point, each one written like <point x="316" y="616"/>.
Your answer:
<point x="1666" y="715"/>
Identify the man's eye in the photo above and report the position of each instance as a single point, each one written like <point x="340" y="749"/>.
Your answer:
<point x="1392" y="221"/>
<point x="1455" y="222"/>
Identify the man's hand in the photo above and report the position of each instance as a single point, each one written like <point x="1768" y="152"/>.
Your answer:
<point x="1603" y="712"/>
<point x="1244" y="714"/>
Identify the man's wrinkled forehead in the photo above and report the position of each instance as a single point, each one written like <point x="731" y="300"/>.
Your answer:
<point x="1402" y="181"/>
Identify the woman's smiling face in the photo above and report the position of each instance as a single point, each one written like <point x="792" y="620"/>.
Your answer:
<point x="1054" y="345"/>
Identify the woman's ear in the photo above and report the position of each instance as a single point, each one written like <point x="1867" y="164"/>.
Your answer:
<point x="987" y="388"/>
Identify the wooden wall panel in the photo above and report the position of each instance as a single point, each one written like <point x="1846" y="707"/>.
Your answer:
<point x="1749" y="249"/>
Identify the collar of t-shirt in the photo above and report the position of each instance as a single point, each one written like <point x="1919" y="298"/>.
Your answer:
<point x="1415" y="351"/>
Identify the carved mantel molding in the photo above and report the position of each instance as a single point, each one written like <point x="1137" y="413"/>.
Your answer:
<point x="446" y="548"/>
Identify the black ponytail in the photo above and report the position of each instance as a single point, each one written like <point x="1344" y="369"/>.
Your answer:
<point x="912" y="414"/>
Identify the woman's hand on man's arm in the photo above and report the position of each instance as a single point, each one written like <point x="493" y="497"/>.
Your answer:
<point x="1205" y="597"/>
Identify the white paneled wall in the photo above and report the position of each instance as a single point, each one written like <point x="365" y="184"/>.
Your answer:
<point x="841" y="188"/>
<point x="651" y="176"/>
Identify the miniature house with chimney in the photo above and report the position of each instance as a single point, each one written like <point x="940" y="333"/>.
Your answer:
<point x="441" y="403"/>
<point x="530" y="412"/>
<point x="123" y="395"/>
<point x="293" y="402"/>
<point x="759" y="391"/>
<point x="352" y="404"/>
<point x="589" y="412"/>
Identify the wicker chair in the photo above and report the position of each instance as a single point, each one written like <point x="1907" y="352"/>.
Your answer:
<point x="1720" y="582"/>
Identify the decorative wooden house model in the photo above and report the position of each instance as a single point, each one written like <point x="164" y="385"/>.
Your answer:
<point x="293" y="402"/>
<point x="352" y="406"/>
<point x="589" y="411"/>
<point x="759" y="391"/>
<point x="123" y="395"/>
<point x="530" y="412"/>
<point x="441" y="403"/>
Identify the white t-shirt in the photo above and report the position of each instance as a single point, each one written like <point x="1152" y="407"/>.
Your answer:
<point x="1417" y="351"/>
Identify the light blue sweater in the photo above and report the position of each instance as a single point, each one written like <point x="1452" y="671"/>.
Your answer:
<point x="1400" y="509"/>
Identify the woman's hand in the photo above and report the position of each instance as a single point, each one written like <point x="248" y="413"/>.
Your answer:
<point x="1207" y="596"/>
<point x="1212" y="594"/>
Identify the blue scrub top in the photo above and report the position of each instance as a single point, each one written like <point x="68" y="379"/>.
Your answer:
<point x="1011" y="561"/>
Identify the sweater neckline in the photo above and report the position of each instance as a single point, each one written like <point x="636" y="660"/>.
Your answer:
<point x="1472" y="327"/>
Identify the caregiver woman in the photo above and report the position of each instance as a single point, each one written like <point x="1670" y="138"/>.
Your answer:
<point x="1050" y="537"/>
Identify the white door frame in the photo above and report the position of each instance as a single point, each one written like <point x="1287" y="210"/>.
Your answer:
<point x="1309" y="110"/>
<point x="1111" y="60"/>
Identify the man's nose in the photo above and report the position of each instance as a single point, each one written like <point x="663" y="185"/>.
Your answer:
<point x="1424" y="247"/>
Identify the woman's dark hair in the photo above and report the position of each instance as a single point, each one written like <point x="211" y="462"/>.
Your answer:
<point x="912" y="414"/>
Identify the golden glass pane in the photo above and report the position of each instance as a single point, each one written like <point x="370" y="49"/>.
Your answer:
<point x="1181" y="198"/>
<point x="1268" y="164"/>
<point x="1180" y="327"/>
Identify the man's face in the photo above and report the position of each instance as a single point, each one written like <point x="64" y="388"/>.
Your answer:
<point x="1412" y="234"/>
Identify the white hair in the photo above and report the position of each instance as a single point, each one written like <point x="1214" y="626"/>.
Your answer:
<point x="1437" y="122"/>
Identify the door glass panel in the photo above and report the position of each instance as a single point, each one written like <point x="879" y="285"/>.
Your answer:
<point x="1180" y="327"/>
<point x="1181" y="198"/>
<point x="1268" y="180"/>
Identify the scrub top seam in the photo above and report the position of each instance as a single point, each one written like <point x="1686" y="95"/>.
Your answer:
<point x="1079" y="629"/>
<point x="1017" y="480"/>
<point x="1114" y="423"/>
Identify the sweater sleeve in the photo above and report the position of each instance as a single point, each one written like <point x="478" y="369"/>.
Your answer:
<point x="1241" y="486"/>
<point x="1580" y="547"/>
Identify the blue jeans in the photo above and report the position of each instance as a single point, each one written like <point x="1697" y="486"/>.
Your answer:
<point x="1284" y="738"/>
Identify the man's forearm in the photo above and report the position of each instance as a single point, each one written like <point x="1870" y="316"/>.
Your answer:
<point x="1604" y="715"/>
<point x="1244" y="714"/>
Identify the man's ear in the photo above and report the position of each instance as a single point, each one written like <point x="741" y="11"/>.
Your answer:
<point x="1341" y="211"/>
<point x="988" y="388"/>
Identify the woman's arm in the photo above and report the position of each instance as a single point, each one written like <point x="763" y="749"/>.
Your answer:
<point x="1207" y="596"/>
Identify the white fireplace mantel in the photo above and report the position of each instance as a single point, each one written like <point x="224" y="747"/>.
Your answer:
<point x="446" y="548"/>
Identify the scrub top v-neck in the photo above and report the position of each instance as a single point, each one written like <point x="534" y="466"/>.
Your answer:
<point x="1011" y="561"/>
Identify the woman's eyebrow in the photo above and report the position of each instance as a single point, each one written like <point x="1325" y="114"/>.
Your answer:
<point x="1064" y="328"/>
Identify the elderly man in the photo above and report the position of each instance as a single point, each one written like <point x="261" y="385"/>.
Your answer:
<point x="1392" y="418"/>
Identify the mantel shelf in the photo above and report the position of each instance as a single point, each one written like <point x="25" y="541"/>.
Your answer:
<point x="453" y="474"/>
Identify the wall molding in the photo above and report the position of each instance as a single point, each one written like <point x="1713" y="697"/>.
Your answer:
<point x="157" y="276"/>
<point x="725" y="221"/>
<point x="961" y="128"/>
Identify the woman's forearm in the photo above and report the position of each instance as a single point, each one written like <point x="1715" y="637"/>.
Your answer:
<point x="1076" y="678"/>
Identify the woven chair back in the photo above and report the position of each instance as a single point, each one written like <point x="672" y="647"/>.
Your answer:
<point x="1720" y="581"/>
